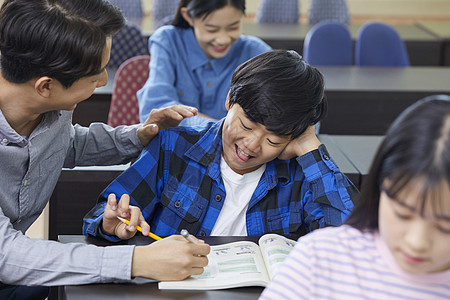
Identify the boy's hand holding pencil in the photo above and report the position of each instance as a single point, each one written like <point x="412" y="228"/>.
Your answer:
<point x="113" y="226"/>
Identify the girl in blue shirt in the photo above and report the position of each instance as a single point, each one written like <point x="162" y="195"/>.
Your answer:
<point x="193" y="59"/>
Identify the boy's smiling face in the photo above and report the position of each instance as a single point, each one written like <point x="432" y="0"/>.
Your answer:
<point x="248" y="145"/>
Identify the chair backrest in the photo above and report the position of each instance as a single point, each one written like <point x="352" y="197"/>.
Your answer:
<point x="379" y="44"/>
<point x="278" y="11"/>
<point x="167" y="20"/>
<point x="333" y="10"/>
<point x="163" y="9"/>
<point x="130" y="77"/>
<point x="131" y="9"/>
<point x="126" y="43"/>
<point x="328" y="43"/>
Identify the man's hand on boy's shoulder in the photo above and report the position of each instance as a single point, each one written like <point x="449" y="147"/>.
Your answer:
<point x="303" y="144"/>
<point x="161" y="118"/>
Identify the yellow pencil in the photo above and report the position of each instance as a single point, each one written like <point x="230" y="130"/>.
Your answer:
<point x="153" y="236"/>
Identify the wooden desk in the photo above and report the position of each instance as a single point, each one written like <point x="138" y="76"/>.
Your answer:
<point x="365" y="100"/>
<point x="146" y="289"/>
<point x="442" y="31"/>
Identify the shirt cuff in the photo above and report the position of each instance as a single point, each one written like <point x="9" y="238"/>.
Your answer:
<point x="316" y="163"/>
<point x="116" y="263"/>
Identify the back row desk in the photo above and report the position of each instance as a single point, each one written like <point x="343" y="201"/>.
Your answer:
<point x="361" y="100"/>
<point x="424" y="48"/>
<point x="77" y="189"/>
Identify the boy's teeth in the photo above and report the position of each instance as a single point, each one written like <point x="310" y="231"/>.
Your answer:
<point x="242" y="152"/>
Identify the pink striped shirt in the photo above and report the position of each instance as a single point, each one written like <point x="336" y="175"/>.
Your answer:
<point x="345" y="263"/>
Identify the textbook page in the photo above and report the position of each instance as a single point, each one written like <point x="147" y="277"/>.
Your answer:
<point x="275" y="249"/>
<point x="230" y="265"/>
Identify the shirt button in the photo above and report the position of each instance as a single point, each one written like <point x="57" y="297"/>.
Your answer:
<point x="180" y="94"/>
<point x="218" y="198"/>
<point x="209" y="83"/>
<point x="177" y="204"/>
<point x="25" y="183"/>
<point x="5" y="141"/>
<point x="326" y="157"/>
<point x="201" y="233"/>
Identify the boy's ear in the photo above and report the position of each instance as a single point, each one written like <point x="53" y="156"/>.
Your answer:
<point x="227" y="102"/>
<point x="43" y="86"/>
<point x="185" y="15"/>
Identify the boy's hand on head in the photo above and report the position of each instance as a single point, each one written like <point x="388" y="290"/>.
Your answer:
<point x="301" y="145"/>
<point x="112" y="225"/>
<point x="172" y="258"/>
<point x="161" y="118"/>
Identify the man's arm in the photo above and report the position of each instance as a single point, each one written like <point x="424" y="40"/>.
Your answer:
<point x="102" y="145"/>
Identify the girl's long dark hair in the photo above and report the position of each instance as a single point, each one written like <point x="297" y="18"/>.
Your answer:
<point x="416" y="147"/>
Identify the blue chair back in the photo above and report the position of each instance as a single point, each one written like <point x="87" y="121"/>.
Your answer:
<point x="379" y="44"/>
<point x="131" y="9"/>
<point x="126" y="43"/>
<point x="278" y="11"/>
<point x="163" y="11"/>
<point x="332" y="10"/>
<point x="328" y="43"/>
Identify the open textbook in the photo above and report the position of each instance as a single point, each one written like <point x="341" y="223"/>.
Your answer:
<point x="238" y="264"/>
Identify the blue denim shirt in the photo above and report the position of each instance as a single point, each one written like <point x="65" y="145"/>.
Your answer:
<point x="177" y="184"/>
<point x="181" y="73"/>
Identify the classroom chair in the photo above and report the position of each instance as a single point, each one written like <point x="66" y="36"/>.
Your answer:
<point x="130" y="77"/>
<point x="328" y="43"/>
<point x="379" y="44"/>
<point x="164" y="11"/>
<point x="333" y="10"/>
<point x="126" y="43"/>
<point x="278" y="11"/>
<point x="131" y="9"/>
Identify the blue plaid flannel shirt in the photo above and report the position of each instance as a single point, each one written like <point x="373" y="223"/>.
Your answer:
<point x="176" y="183"/>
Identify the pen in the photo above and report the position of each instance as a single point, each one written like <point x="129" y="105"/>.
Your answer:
<point x="187" y="236"/>
<point x="139" y="228"/>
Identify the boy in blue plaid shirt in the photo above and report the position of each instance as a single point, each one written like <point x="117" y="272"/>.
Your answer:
<point x="260" y="169"/>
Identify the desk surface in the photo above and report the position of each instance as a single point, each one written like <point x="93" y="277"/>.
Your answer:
<point x="353" y="78"/>
<point x="147" y="289"/>
<point x="358" y="149"/>
<point x="386" y="79"/>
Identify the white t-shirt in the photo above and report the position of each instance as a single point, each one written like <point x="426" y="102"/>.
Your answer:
<point x="239" y="190"/>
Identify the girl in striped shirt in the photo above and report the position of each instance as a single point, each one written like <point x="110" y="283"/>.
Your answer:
<point x="396" y="242"/>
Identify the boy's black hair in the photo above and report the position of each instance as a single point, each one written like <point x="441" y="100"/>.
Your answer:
<point x="416" y="149"/>
<point x="280" y="91"/>
<point x="62" y="39"/>
<point x="203" y="8"/>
